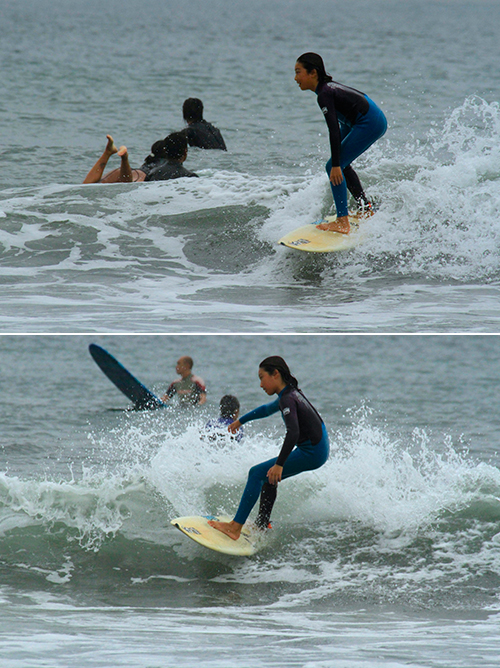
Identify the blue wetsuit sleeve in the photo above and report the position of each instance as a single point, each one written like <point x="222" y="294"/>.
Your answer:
<point x="261" y="412"/>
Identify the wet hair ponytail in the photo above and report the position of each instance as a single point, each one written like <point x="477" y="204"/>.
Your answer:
<point x="312" y="61"/>
<point x="275" y="363"/>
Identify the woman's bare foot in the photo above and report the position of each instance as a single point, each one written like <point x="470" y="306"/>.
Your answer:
<point x="110" y="147"/>
<point x="126" y="175"/>
<point x="339" y="225"/>
<point x="231" y="529"/>
<point x="95" y="174"/>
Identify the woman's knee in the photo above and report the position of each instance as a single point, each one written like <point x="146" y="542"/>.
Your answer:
<point x="258" y="472"/>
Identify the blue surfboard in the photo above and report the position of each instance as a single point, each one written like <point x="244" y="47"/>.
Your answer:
<point x="141" y="397"/>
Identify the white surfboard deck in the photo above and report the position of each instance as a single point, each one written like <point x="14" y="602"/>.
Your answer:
<point x="308" y="238"/>
<point x="198" y="529"/>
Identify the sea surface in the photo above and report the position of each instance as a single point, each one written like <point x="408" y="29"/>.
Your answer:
<point x="201" y="255"/>
<point x="389" y="555"/>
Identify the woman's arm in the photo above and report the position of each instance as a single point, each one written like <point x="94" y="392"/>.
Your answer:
<point x="291" y="419"/>
<point x="261" y="412"/>
<point x="327" y="106"/>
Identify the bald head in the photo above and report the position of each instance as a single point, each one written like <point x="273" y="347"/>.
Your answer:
<point x="184" y="366"/>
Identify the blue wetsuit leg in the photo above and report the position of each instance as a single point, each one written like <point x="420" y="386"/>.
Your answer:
<point x="357" y="140"/>
<point x="305" y="457"/>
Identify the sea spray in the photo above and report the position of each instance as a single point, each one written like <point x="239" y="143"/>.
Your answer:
<point x="92" y="509"/>
<point x="439" y="212"/>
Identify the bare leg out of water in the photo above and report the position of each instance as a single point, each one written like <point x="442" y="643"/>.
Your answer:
<point x="125" y="169"/>
<point x="339" y="225"/>
<point x="95" y="174"/>
<point x="124" y="173"/>
<point x="231" y="529"/>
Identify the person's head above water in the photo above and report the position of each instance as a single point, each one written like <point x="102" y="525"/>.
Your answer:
<point x="192" y="110"/>
<point x="310" y="71"/>
<point x="173" y="147"/>
<point x="275" y="374"/>
<point x="184" y="365"/>
<point x="158" y="148"/>
<point x="229" y="407"/>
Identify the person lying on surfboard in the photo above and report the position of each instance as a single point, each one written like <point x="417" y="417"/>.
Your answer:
<point x="354" y="123"/>
<point x="305" y="448"/>
<point x="164" y="162"/>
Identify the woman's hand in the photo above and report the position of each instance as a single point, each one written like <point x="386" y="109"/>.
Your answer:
<point x="234" y="426"/>
<point x="336" y="176"/>
<point x="274" y="474"/>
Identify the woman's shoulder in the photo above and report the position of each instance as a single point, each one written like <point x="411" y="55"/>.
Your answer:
<point x="289" y="395"/>
<point x="326" y="94"/>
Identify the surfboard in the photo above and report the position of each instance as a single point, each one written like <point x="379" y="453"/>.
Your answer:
<point x="142" y="398"/>
<point x="308" y="238"/>
<point x="198" y="529"/>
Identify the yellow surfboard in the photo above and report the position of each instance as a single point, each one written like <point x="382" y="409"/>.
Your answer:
<point x="308" y="238"/>
<point x="198" y="529"/>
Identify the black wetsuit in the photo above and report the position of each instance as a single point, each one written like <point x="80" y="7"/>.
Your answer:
<point x="345" y="108"/>
<point x="302" y="420"/>
<point x="340" y="105"/>
<point x="304" y="448"/>
<point x="162" y="170"/>
<point x="203" y="134"/>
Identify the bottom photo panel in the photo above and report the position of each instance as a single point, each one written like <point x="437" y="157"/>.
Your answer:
<point x="263" y="500"/>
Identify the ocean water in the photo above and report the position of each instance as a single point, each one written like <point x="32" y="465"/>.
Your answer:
<point x="389" y="555"/>
<point x="200" y="255"/>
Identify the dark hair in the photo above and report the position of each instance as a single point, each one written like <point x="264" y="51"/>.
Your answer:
<point x="192" y="109"/>
<point x="275" y="363"/>
<point x="229" y="406"/>
<point x="312" y="61"/>
<point x="158" y="148"/>
<point x="174" y="146"/>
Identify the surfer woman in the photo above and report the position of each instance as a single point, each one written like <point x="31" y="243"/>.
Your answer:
<point x="354" y="124"/>
<point x="304" y="429"/>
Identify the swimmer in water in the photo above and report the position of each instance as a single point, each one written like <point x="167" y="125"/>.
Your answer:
<point x="189" y="389"/>
<point x="354" y="123"/>
<point x="200" y="132"/>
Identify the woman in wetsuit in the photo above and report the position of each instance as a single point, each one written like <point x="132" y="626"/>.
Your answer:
<point x="354" y="124"/>
<point x="305" y="447"/>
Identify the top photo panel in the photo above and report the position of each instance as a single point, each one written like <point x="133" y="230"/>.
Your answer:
<point x="224" y="166"/>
